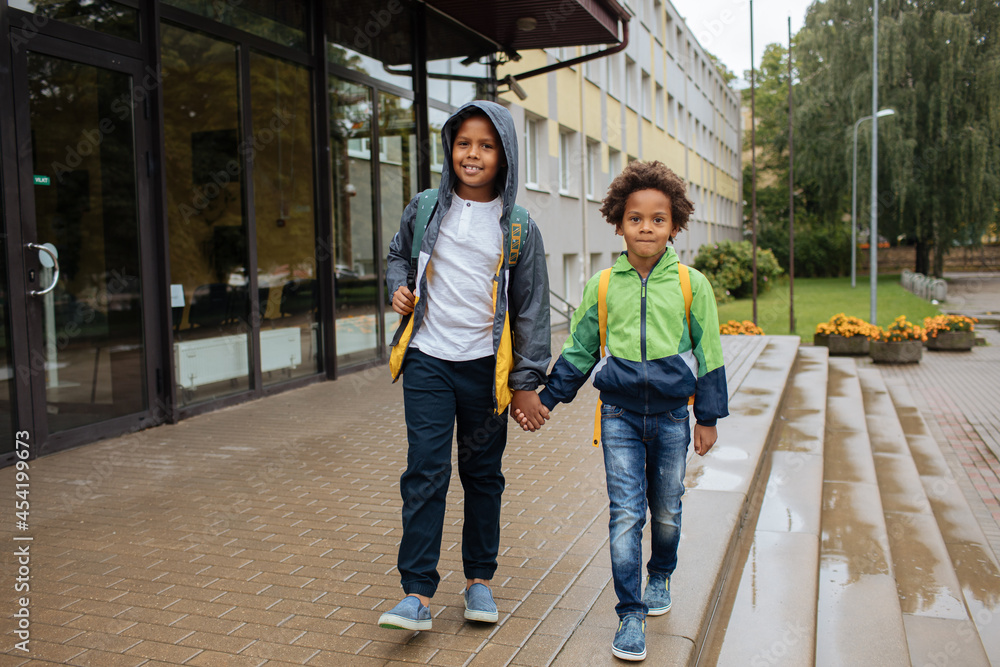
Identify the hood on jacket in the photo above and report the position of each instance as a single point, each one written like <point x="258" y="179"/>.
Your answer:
<point x="504" y="124"/>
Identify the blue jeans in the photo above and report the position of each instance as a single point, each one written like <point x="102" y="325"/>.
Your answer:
<point x="645" y="458"/>
<point x="439" y="395"/>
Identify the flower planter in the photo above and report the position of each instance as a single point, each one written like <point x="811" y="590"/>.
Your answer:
<point x="842" y="345"/>
<point x="952" y="340"/>
<point x="899" y="352"/>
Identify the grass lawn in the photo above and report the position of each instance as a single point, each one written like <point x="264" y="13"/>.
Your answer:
<point x="819" y="299"/>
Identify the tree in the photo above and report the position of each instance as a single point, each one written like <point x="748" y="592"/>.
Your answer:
<point x="939" y="157"/>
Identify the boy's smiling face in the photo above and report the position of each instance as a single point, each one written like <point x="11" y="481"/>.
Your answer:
<point x="476" y="157"/>
<point x="647" y="224"/>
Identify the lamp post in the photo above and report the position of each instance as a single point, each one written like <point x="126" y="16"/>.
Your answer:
<point x="873" y="262"/>
<point x="854" y="196"/>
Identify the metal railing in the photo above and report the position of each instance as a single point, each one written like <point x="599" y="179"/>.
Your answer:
<point x="566" y="312"/>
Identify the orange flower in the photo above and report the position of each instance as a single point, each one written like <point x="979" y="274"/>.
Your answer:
<point x="899" y="330"/>
<point x="744" y="328"/>
<point x="842" y="325"/>
<point x="940" y="323"/>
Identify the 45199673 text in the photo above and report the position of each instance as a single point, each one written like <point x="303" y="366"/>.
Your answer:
<point x="22" y="541"/>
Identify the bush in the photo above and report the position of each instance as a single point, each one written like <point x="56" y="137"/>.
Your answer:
<point x="729" y="267"/>
<point x="820" y="251"/>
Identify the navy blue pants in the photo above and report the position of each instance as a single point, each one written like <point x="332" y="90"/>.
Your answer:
<point x="437" y="394"/>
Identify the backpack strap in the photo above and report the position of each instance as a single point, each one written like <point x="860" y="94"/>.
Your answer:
<point x="518" y="221"/>
<point x="685" y="279"/>
<point x="602" y="323"/>
<point x="425" y="209"/>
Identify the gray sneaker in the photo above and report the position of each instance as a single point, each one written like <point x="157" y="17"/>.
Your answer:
<point x="630" y="640"/>
<point x="479" y="604"/>
<point x="409" y="614"/>
<point x="657" y="595"/>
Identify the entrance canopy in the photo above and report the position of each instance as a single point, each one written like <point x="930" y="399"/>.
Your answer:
<point x="528" y="24"/>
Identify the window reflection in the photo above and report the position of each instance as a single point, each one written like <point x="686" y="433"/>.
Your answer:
<point x="281" y="21"/>
<point x="205" y="216"/>
<point x="372" y="40"/>
<point x="436" y="121"/>
<point x="356" y="279"/>
<point x="286" y="228"/>
<point x="107" y="16"/>
<point x="397" y="176"/>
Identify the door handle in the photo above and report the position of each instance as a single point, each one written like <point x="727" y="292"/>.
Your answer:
<point x="55" y="264"/>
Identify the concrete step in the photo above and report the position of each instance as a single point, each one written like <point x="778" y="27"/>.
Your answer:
<point x="770" y="603"/>
<point x="719" y="488"/>
<point x="859" y="620"/>
<point x="951" y="617"/>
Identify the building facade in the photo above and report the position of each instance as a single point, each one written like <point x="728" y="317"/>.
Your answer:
<point x="660" y="98"/>
<point x="198" y="195"/>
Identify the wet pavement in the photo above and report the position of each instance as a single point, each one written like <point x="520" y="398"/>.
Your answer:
<point x="266" y="533"/>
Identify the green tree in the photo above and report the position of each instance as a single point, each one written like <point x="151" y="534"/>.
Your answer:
<point x="939" y="157"/>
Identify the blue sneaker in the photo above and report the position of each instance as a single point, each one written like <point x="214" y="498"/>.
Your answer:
<point x="479" y="604"/>
<point x="409" y="614"/>
<point x="657" y="595"/>
<point x="630" y="640"/>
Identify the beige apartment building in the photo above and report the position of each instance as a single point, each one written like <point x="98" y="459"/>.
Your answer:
<point x="660" y="98"/>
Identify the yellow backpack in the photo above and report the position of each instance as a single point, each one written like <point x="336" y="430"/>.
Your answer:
<point x="602" y="319"/>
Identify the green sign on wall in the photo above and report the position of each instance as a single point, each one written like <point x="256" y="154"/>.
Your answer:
<point x="42" y="180"/>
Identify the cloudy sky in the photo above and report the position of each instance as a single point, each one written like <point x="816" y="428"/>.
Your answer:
<point x="723" y="26"/>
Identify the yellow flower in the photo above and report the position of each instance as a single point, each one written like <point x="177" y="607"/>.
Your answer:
<point x="744" y="328"/>
<point x="940" y="323"/>
<point x="899" y="330"/>
<point x="843" y="325"/>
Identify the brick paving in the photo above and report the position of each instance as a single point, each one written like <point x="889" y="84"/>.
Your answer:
<point x="266" y="533"/>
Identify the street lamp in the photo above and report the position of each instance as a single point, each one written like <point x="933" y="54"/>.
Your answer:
<point x="854" y="196"/>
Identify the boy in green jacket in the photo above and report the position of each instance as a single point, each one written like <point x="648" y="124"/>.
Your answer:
<point x="655" y="361"/>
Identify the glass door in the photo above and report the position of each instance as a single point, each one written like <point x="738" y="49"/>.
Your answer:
<point x="88" y="272"/>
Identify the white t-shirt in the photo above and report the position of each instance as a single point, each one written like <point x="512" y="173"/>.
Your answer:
<point x="458" y="322"/>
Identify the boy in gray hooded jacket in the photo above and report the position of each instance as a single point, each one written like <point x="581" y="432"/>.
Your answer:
<point x="474" y="339"/>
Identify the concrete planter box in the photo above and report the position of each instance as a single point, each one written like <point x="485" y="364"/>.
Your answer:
<point x="952" y="340"/>
<point x="901" y="352"/>
<point x="842" y="345"/>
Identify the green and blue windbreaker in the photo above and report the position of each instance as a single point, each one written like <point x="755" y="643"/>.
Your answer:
<point x="652" y="364"/>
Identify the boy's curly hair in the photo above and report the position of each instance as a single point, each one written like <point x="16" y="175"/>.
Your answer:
<point x="653" y="175"/>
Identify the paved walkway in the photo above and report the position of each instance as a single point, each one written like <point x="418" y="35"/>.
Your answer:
<point x="267" y="532"/>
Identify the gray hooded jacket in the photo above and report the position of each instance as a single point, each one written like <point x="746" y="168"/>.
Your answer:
<point x="522" y="290"/>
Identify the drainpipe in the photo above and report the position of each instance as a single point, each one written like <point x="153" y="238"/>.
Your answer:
<point x="579" y="59"/>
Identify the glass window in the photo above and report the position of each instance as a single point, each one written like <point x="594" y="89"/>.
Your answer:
<point x="281" y="21"/>
<point x="531" y="151"/>
<point x="376" y="42"/>
<point x="437" y="119"/>
<point x="614" y="163"/>
<point x="453" y="55"/>
<point x="357" y="285"/>
<point x="593" y="166"/>
<point x="285" y="220"/>
<point x="398" y="163"/>
<point x="565" y="155"/>
<point x="647" y="95"/>
<point x="658" y="102"/>
<point x="205" y="215"/>
<point x="630" y="81"/>
<point x="107" y="16"/>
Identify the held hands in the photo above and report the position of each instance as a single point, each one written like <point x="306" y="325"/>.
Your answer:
<point x="704" y="438"/>
<point x="527" y="410"/>
<point x="403" y="300"/>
